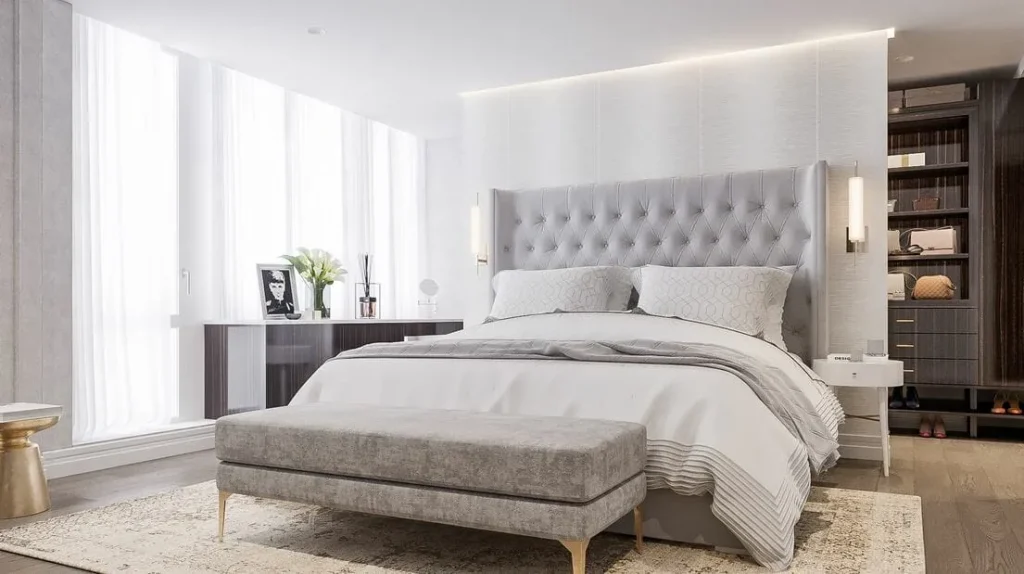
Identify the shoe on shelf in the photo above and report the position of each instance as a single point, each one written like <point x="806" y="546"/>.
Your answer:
<point x="896" y="400"/>
<point x="999" y="404"/>
<point x="925" y="429"/>
<point x="1014" y="402"/>
<point x="913" y="401"/>
<point x="939" y="428"/>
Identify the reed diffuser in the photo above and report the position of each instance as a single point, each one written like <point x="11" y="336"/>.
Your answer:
<point x="367" y="302"/>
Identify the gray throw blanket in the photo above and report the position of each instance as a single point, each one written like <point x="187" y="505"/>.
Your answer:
<point x="775" y="389"/>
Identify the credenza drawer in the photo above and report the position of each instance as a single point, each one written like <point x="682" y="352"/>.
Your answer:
<point x="940" y="371"/>
<point x="938" y="320"/>
<point x="933" y="346"/>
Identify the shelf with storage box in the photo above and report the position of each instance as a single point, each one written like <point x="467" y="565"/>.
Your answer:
<point x="926" y="258"/>
<point x="954" y="167"/>
<point x="935" y="168"/>
<point x="930" y="213"/>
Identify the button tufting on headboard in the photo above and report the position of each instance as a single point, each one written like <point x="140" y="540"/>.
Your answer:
<point x="758" y="218"/>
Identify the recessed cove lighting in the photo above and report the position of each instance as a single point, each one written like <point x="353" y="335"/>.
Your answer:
<point x="905" y="59"/>
<point x="316" y="31"/>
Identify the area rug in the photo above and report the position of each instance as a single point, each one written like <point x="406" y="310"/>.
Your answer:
<point x="175" y="532"/>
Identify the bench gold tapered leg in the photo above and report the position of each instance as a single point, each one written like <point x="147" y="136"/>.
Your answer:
<point x="638" y="528"/>
<point x="222" y="507"/>
<point x="578" y="548"/>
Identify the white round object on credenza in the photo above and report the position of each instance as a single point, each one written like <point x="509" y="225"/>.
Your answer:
<point x="429" y="288"/>
<point x="427" y="304"/>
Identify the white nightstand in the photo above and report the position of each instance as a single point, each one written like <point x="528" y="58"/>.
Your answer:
<point x="882" y="376"/>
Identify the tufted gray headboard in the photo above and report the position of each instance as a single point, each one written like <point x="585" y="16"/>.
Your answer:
<point x="768" y="218"/>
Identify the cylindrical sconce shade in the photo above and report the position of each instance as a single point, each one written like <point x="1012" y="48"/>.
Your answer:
<point x="856" y="191"/>
<point x="474" y="230"/>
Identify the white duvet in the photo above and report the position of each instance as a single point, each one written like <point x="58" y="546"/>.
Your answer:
<point x="707" y="431"/>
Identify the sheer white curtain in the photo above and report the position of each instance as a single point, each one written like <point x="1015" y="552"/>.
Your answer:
<point x="125" y="234"/>
<point x="252" y="225"/>
<point x="295" y="172"/>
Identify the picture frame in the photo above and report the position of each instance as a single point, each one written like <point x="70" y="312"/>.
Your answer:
<point x="277" y="289"/>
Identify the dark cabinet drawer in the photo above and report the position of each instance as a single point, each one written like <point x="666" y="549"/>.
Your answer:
<point x="937" y="320"/>
<point x="933" y="346"/>
<point x="940" y="371"/>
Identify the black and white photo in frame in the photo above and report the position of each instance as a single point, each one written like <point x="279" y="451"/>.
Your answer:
<point x="277" y="288"/>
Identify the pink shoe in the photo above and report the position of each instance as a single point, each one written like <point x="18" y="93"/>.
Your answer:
<point x="939" y="430"/>
<point x="926" y="427"/>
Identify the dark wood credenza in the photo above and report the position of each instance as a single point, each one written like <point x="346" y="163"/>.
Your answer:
<point x="262" y="364"/>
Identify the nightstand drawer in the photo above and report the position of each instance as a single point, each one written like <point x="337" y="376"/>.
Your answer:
<point x="940" y="371"/>
<point x="933" y="346"/>
<point x="859" y="374"/>
<point x="939" y="320"/>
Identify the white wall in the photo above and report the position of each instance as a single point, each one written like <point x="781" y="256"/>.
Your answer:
<point x="782" y="106"/>
<point x="446" y="228"/>
<point x="35" y="207"/>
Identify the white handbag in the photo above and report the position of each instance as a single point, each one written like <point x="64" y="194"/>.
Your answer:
<point x="896" y="285"/>
<point x="939" y="241"/>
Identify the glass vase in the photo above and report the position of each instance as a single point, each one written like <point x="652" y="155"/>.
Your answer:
<point x="321" y="296"/>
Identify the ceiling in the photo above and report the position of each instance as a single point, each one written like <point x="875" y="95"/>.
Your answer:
<point x="403" y="62"/>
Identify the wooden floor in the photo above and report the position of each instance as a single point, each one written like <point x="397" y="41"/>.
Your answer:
<point x="972" y="497"/>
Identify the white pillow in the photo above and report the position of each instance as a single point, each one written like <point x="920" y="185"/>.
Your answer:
<point x="745" y="299"/>
<point x="519" y="292"/>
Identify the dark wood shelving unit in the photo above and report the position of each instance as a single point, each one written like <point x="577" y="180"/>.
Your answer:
<point x="938" y="168"/>
<point x="948" y="135"/>
<point x="969" y="348"/>
<point x="930" y="213"/>
<point x="912" y="258"/>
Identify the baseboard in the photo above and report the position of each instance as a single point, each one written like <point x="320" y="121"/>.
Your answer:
<point x="125" y="451"/>
<point x="860" y="447"/>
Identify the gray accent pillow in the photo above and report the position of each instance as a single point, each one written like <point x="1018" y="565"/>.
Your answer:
<point x="521" y="292"/>
<point x="745" y="299"/>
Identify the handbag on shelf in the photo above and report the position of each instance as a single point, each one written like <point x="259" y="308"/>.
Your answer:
<point x="933" y="287"/>
<point x="896" y="287"/>
<point x="937" y="241"/>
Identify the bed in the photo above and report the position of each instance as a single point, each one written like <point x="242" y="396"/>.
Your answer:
<point x="725" y="465"/>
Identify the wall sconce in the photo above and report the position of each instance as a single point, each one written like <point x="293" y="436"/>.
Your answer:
<point x="856" y="233"/>
<point x="476" y="243"/>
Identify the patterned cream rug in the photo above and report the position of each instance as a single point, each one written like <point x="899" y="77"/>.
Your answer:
<point x="175" y="532"/>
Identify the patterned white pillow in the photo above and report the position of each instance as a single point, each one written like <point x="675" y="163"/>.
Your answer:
<point x="520" y="292"/>
<point x="745" y="299"/>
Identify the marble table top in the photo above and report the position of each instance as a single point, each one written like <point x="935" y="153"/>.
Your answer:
<point x="27" y="411"/>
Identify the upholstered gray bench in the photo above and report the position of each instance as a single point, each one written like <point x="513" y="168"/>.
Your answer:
<point x="549" y="477"/>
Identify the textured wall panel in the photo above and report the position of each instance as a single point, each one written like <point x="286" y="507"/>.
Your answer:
<point x="759" y="109"/>
<point x="447" y="236"/>
<point x="655" y="112"/>
<point x="486" y="141"/>
<point x="7" y="185"/>
<point x="41" y="208"/>
<point x="853" y="123"/>
<point x="485" y="153"/>
<point x="553" y="133"/>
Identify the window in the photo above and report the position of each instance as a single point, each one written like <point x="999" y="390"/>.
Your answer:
<point x="262" y="172"/>
<point x="125" y="234"/>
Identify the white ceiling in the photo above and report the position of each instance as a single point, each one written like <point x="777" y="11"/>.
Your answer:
<point x="403" y="62"/>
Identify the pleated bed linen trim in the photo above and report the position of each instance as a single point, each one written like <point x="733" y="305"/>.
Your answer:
<point x="763" y="521"/>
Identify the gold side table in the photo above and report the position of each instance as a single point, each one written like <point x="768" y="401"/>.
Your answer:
<point x="23" y="488"/>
